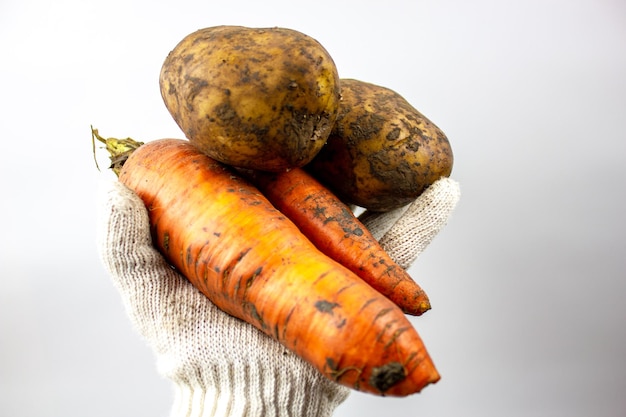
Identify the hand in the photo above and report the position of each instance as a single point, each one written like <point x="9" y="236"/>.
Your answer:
<point x="220" y="365"/>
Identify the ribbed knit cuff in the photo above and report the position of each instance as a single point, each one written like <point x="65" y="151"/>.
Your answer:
<point x="253" y="391"/>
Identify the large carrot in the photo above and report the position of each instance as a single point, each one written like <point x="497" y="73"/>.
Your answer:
<point x="333" y="228"/>
<point x="252" y="262"/>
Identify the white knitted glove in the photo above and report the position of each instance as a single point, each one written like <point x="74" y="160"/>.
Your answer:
<point x="220" y="365"/>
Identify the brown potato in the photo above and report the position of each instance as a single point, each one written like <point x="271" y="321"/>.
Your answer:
<point x="254" y="98"/>
<point x="382" y="153"/>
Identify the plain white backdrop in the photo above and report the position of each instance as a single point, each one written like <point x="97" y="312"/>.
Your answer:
<point x="527" y="280"/>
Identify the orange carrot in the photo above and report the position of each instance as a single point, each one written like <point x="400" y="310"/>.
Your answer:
<point x="253" y="263"/>
<point x="333" y="228"/>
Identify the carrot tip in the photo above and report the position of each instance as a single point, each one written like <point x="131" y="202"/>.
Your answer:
<point x="417" y="310"/>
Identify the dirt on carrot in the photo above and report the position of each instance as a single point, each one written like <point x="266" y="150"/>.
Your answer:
<point x="254" y="263"/>
<point x="333" y="228"/>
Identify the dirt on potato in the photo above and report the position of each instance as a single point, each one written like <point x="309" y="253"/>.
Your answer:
<point x="382" y="153"/>
<point x="257" y="98"/>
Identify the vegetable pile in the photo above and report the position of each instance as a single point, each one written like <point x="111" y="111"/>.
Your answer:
<point x="253" y="207"/>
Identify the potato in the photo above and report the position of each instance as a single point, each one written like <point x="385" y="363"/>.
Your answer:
<point x="382" y="153"/>
<point x="257" y="98"/>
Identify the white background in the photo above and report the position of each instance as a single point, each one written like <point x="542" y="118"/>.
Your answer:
<point x="527" y="280"/>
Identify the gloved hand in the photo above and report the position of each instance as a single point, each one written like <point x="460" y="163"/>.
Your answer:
<point x="220" y="365"/>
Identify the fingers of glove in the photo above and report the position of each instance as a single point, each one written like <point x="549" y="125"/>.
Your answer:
<point x="123" y="238"/>
<point x="145" y="281"/>
<point x="378" y="223"/>
<point x="406" y="232"/>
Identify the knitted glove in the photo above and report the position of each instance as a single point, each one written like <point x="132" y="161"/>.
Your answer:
<point x="220" y="365"/>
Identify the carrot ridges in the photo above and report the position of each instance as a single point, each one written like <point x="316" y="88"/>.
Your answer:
<point x="254" y="263"/>
<point x="336" y="231"/>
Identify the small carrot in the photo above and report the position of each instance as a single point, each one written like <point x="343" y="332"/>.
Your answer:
<point x="251" y="261"/>
<point x="333" y="228"/>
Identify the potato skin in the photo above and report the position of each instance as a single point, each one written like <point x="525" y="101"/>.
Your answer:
<point x="382" y="153"/>
<point x="257" y="98"/>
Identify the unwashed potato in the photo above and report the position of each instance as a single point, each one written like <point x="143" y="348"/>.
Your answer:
<point x="382" y="153"/>
<point x="257" y="98"/>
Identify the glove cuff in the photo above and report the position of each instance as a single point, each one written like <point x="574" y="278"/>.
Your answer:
<point x="253" y="391"/>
